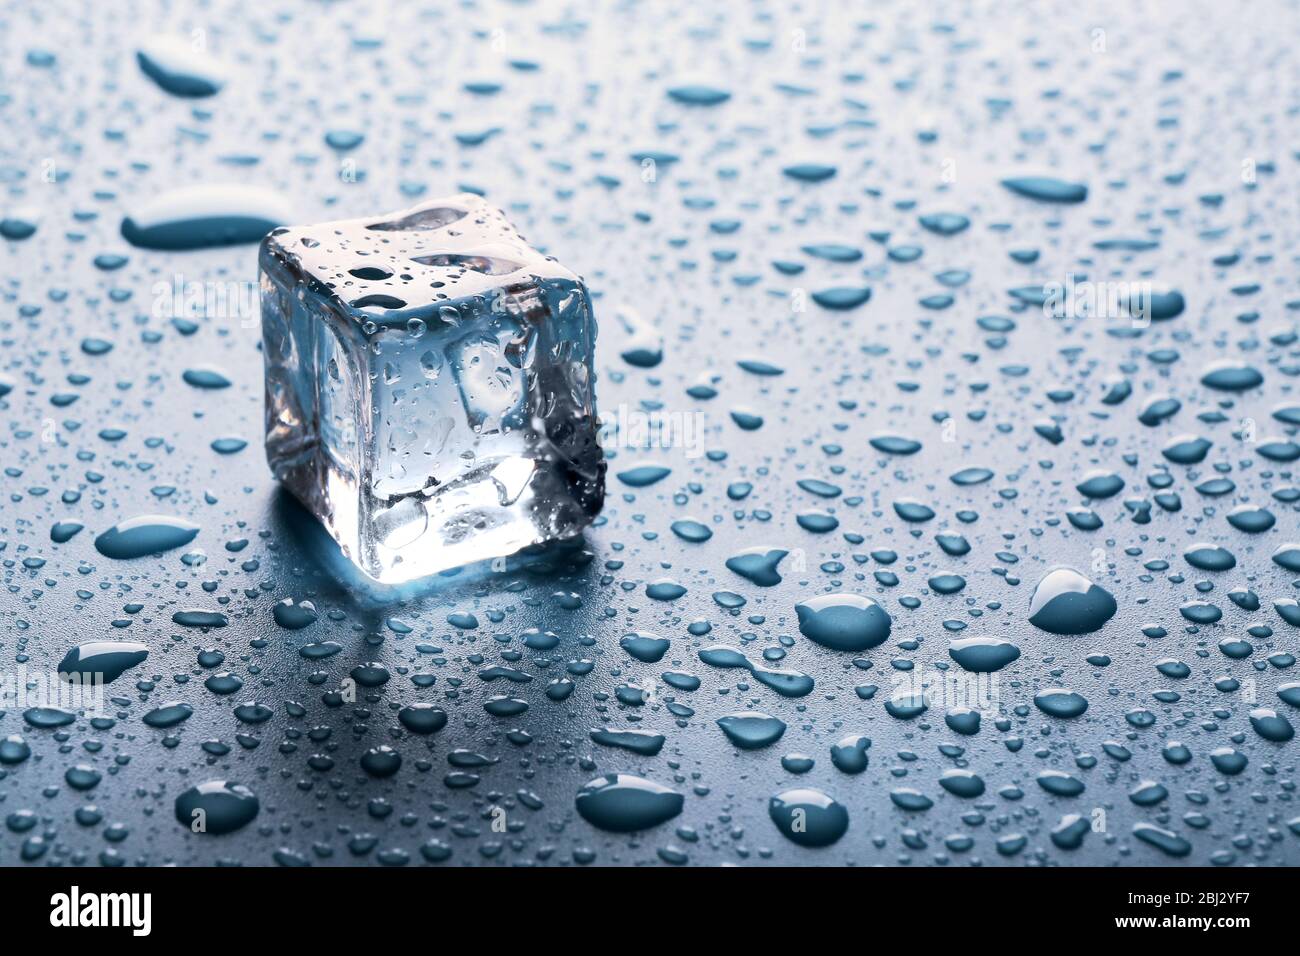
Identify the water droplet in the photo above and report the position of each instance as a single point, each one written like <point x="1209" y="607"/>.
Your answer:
<point x="843" y="622"/>
<point x="108" y="659"/>
<point x="623" y="802"/>
<point x="216" y="807"/>
<point x="1059" y="702"/>
<point x="750" y="730"/>
<point x="1047" y="189"/>
<point x="983" y="654"/>
<point x="1065" y="602"/>
<point x="145" y="535"/>
<point x="203" y="217"/>
<point x="808" y="817"/>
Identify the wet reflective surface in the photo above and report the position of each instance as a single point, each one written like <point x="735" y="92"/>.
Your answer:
<point x="949" y="376"/>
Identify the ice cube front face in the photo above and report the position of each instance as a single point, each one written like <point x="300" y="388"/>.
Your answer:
<point x="429" y="386"/>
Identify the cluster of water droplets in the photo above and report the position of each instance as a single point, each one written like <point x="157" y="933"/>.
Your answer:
<point x="923" y="364"/>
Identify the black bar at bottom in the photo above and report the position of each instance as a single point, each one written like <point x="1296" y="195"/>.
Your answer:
<point x="1081" y="902"/>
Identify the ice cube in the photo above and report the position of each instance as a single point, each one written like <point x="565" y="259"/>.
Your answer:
<point x="429" y="386"/>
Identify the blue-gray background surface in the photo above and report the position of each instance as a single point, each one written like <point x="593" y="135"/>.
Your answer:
<point x="1180" y="118"/>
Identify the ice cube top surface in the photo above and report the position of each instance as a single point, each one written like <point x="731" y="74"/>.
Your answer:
<point x="429" y="386"/>
<point x="411" y="261"/>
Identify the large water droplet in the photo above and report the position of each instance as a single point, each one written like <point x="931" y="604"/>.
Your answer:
<point x="983" y="654"/>
<point x="750" y="730"/>
<point x="808" y="817"/>
<point x="145" y="535"/>
<point x="623" y="802"/>
<point x="109" y="659"/>
<point x="201" y="217"/>
<point x="1065" y="602"/>
<point x="843" y="622"/>
<point x="216" y="807"/>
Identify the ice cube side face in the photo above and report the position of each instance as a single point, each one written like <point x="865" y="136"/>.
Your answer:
<point x="429" y="387"/>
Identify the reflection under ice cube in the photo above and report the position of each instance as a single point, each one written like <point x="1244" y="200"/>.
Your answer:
<point x="429" y="386"/>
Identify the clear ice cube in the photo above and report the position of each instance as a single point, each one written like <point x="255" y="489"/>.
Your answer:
<point x="429" y="386"/>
